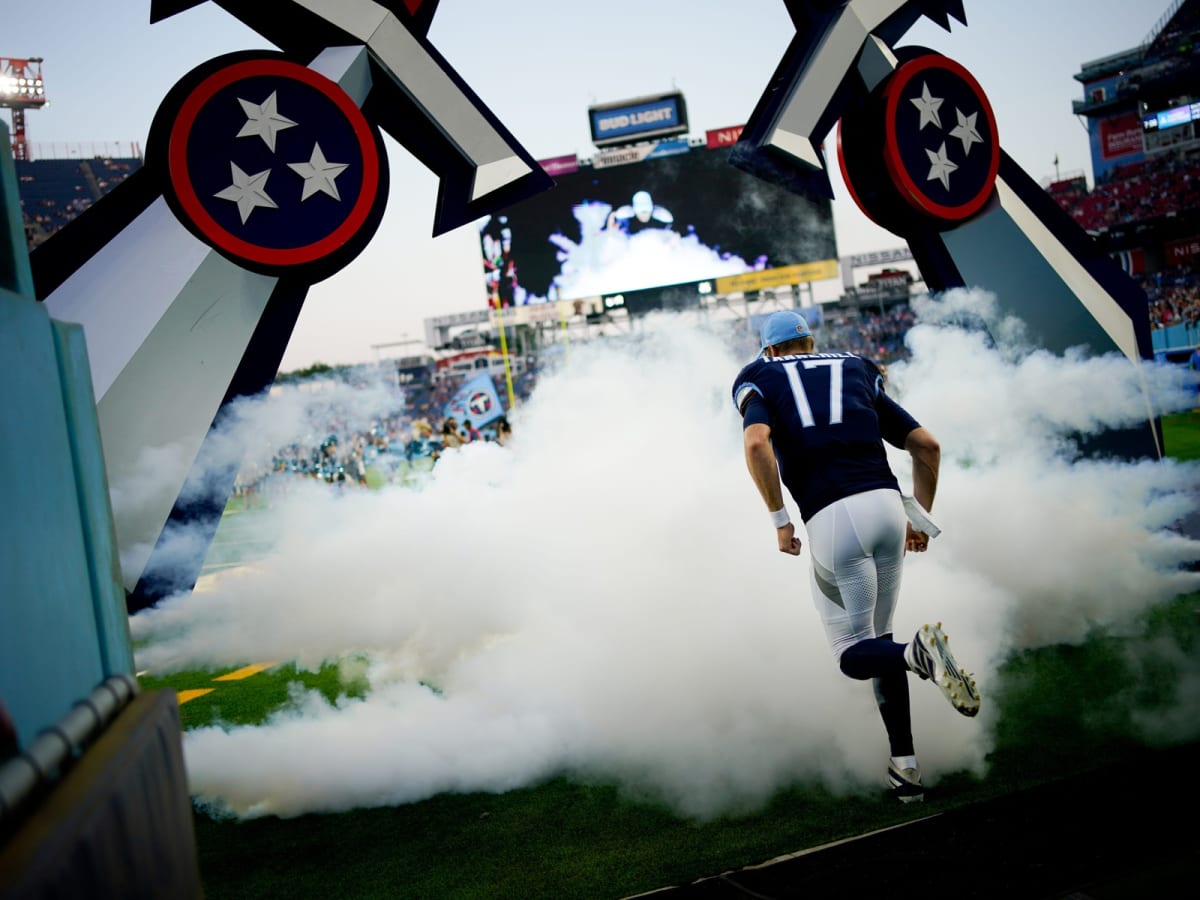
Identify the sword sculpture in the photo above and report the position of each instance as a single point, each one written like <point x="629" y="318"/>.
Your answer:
<point x="919" y="150"/>
<point x="265" y="173"/>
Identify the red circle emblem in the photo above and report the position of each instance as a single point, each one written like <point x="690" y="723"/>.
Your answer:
<point x="941" y="147"/>
<point x="273" y="163"/>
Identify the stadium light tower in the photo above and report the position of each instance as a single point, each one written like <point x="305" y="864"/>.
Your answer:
<point x="21" y="88"/>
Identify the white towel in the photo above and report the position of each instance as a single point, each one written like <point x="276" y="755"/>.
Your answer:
<point x="918" y="516"/>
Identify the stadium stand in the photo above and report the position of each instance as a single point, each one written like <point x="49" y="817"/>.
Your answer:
<point x="55" y="191"/>
<point x="1143" y="191"/>
<point x="1142" y="106"/>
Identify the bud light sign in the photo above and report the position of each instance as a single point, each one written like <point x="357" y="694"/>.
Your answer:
<point x="633" y="120"/>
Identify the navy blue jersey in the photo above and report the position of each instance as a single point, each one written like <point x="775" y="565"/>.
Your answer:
<point x="829" y="417"/>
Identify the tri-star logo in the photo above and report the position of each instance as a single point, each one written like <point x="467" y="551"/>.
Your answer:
<point x="940" y="142"/>
<point x="415" y="96"/>
<point x="818" y="77"/>
<point x="273" y="164"/>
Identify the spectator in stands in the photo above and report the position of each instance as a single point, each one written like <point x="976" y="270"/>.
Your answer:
<point x="1136" y="192"/>
<point x="503" y="431"/>
<point x="422" y="444"/>
<point x="450" y="435"/>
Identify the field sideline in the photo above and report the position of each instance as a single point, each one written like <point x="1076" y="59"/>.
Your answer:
<point x="568" y="839"/>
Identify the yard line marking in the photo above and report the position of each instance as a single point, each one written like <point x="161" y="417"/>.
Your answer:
<point x="185" y="696"/>
<point x="246" y="672"/>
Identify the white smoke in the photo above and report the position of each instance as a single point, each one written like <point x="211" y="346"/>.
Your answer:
<point x="250" y="431"/>
<point x="606" y="260"/>
<point x="604" y="598"/>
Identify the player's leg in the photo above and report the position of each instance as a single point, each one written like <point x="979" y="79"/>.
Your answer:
<point x="904" y="772"/>
<point x="891" y="688"/>
<point x="878" y="519"/>
<point x="857" y="550"/>
<point x="856" y="546"/>
<point x="891" y="696"/>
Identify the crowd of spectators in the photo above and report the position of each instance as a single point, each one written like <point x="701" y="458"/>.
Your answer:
<point x="1135" y="192"/>
<point x="1172" y="294"/>
<point x="53" y="192"/>
<point x="1174" y="297"/>
<point x="877" y="335"/>
<point x="401" y="446"/>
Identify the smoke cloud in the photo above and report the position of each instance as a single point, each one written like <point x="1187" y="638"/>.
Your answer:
<point x="603" y="597"/>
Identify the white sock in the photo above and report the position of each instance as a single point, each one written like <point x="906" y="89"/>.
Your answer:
<point x="904" y="762"/>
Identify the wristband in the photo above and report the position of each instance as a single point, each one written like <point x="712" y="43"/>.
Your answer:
<point x="780" y="517"/>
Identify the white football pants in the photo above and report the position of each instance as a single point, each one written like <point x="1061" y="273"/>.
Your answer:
<point x="857" y="549"/>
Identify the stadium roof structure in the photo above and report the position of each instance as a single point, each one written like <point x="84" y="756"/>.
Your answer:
<point x="1152" y="71"/>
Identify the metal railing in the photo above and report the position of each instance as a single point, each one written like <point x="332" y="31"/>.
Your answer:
<point x="83" y="150"/>
<point x="1161" y="23"/>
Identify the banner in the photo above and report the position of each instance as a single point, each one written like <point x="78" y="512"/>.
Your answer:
<point x="878" y="257"/>
<point x="476" y="400"/>
<point x="1183" y="251"/>
<point x="532" y="314"/>
<point x="769" y="278"/>
<point x="560" y="165"/>
<point x="640" y="153"/>
<point x="1132" y="261"/>
<point x="716" y="138"/>
<point x="1120" y="136"/>
<point x="633" y="120"/>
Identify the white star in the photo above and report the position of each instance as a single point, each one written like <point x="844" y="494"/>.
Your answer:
<point x="263" y="121"/>
<point x="965" y="131"/>
<point x="941" y="167"/>
<point x="318" y="174"/>
<point x="247" y="191"/>
<point x="928" y="105"/>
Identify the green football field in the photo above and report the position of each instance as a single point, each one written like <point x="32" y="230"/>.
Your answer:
<point x="566" y="839"/>
<point x="1181" y="435"/>
<point x="1060" y="708"/>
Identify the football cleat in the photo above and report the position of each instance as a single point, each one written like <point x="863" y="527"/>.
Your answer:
<point x="929" y="656"/>
<point x="906" y="783"/>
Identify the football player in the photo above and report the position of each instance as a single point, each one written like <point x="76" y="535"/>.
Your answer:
<point x="818" y="422"/>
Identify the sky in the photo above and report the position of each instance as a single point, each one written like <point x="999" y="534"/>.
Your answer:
<point x="106" y="69"/>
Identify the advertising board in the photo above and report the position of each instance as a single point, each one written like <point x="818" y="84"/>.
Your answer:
<point x="669" y="219"/>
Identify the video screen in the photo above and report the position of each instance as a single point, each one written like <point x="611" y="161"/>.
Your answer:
<point x="670" y="220"/>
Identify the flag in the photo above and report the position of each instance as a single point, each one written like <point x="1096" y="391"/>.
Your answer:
<point x="476" y="400"/>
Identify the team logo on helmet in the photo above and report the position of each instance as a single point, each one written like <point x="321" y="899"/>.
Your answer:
<point x="274" y="165"/>
<point x="940" y="144"/>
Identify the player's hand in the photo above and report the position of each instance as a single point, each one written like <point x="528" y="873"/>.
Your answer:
<point x="788" y="542"/>
<point x="916" y="541"/>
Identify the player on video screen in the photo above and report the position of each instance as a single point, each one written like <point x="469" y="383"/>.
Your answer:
<point x="639" y="214"/>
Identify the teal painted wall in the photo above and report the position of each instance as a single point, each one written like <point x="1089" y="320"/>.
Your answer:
<point x="63" y="627"/>
<point x="1175" y="338"/>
